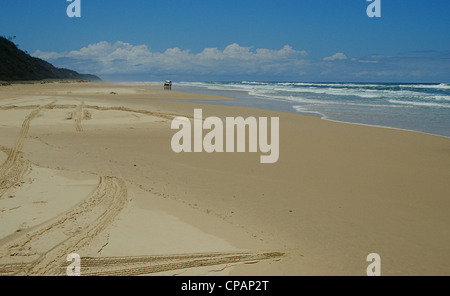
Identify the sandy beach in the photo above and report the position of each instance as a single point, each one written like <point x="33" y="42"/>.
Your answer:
<point x="88" y="168"/>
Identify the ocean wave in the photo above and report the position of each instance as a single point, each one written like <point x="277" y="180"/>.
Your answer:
<point x="444" y="86"/>
<point x="441" y="98"/>
<point x="420" y="107"/>
<point x="420" y="104"/>
<point x="341" y="92"/>
<point x="424" y="95"/>
<point x="369" y="91"/>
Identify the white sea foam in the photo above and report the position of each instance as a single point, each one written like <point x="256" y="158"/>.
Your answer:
<point x="441" y="98"/>
<point x="302" y="109"/>
<point x="420" y="104"/>
<point x="421" y="107"/>
<point x="286" y="90"/>
<point x="429" y="86"/>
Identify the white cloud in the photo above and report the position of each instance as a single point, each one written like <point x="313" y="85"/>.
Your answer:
<point x="125" y="58"/>
<point x="121" y="59"/>
<point x="336" y="56"/>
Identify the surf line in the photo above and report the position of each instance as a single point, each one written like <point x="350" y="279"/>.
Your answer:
<point x="233" y="133"/>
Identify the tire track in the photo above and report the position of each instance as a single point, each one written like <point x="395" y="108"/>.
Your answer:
<point x="131" y="266"/>
<point x="168" y="116"/>
<point x="5" y="149"/>
<point x="11" y="269"/>
<point x="16" y="166"/>
<point x="77" y="228"/>
<point x="162" y="115"/>
<point x="70" y="232"/>
<point x="79" y="117"/>
<point x="14" y="107"/>
<point x="141" y="265"/>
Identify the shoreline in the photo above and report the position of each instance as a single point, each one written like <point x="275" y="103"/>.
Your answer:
<point x="337" y="193"/>
<point x="324" y="117"/>
<point x="291" y="107"/>
<point x="386" y="127"/>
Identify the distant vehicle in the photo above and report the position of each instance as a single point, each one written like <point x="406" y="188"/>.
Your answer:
<point x="168" y="84"/>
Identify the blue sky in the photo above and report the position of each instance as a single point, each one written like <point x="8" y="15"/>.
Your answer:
<point x="284" y="40"/>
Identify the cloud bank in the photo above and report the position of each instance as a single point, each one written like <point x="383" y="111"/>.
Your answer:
<point x="121" y="60"/>
<point x="125" y="58"/>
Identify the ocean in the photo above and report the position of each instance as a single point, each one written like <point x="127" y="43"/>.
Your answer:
<point x="418" y="107"/>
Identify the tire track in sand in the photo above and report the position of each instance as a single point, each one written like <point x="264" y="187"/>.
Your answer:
<point x="69" y="233"/>
<point x="15" y="107"/>
<point x="131" y="266"/>
<point x="167" y="116"/>
<point x="16" y="166"/>
<point x="77" y="228"/>
<point x="145" y="265"/>
<point x="11" y="269"/>
<point x="78" y="116"/>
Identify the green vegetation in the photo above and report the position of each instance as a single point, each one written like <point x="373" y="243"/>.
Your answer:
<point x="16" y="65"/>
